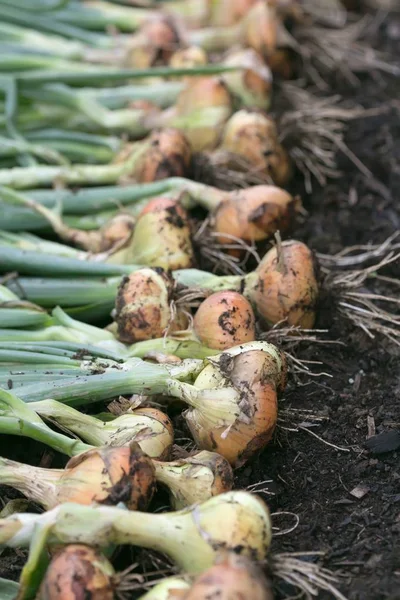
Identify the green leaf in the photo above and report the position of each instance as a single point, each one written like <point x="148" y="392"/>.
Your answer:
<point x="8" y="589"/>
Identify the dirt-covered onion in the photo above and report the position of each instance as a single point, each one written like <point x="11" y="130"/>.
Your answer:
<point x="76" y="572"/>
<point x="224" y="319"/>
<point x="169" y="154"/>
<point x="143" y="305"/>
<point x="106" y="475"/>
<point x="254" y="213"/>
<point x="253" y="135"/>
<point x="154" y="44"/>
<point x="285" y="286"/>
<point x="236" y="410"/>
<point x="195" y="478"/>
<point x="162" y="237"/>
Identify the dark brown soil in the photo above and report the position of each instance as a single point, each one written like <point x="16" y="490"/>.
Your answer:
<point x="360" y="538"/>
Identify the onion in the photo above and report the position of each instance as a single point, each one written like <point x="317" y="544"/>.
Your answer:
<point x="233" y="403"/>
<point x="102" y="475"/>
<point x="192" y="538"/>
<point x="193" y="56"/>
<point x="168" y="155"/>
<point x="116" y="232"/>
<point x="162" y="236"/>
<point x="223" y="320"/>
<point x="228" y="12"/>
<point x="142" y="306"/>
<point x="285" y="287"/>
<point x="252" y="83"/>
<point x="196" y="478"/>
<point x="149" y="427"/>
<point x="254" y="214"/>
<point x="260" y="28"/>
<point x="77" y="572"/>
<point x="201" y="110"/>
<point x="233" y="577"/>
<point x="254" y="136"/>
<point x="154" y="44"/>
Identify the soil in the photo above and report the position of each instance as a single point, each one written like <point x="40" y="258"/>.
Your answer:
<point x="318" y="479"/>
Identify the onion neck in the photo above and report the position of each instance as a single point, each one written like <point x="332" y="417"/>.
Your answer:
<point x="38" y="485"/>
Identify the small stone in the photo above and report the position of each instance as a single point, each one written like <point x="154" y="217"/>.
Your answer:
<point x="360" y="491"/>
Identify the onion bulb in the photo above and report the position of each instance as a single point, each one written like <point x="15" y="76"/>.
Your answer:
<point x="236" y="521"/>
<point x="224" y="319"/>
<point x="252" y="83"/>
<point x="149" y="427"/>
<point x="232" y="577"/>
<point x="195" y="478"/>
<point x="103" y="475"/>
<point x="253" y="135"/>
<point x="154" y="44"/>
<point x="255" y="213"/>
<point x="171" y="588"/>
<point x="201" y="110"/>
<point x="143" y="305"/>
<point x="162" y="236"/>
<point x="168" y="155"/>
<point x="228" y="12"/>
<point x="285" y="286"/>
<point x="77" y="572"/>
<point x="260" y="28"/>
<point x="192" y="56"/>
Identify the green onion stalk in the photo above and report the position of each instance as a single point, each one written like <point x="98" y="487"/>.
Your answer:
<point x="36" y="40"/>
<point x="235" y="521"/>
<point x="231" y="397"/>
<point x="15" y="312"/>
<point x="60" y="327"/>
<point x="76" y="146"/>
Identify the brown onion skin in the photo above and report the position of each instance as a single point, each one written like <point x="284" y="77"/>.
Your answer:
<point x="233" y="577"/>
<point x="289" y="291"/>
<point x="169" y="155"/>
<point x="158" y="415"/>
<point x="109" y="475"/>
<point x="77" y="572"/>
<point x="255" y="376"/>
<point x="142" y="305"/>
<point x="255" y="213"/>
<point x="224" y="319"/>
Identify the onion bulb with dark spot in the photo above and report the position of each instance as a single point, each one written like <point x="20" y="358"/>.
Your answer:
<point x="284" y="286"/>
<point x="154" y="44"/>
<point x="143" y="305"/>
<point x="169" y="155"/>
<point x="103" y="476"/>
<point x="162" y="236"/>
<point x="232" y="577"/>
<point x="195" y="478"/>
<point x="76" y="572"/>
<point x="253" y="135"/>
<point x="233" y="402"/>
<point x="223" y="320"/>
<point x="254" y="214"/>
